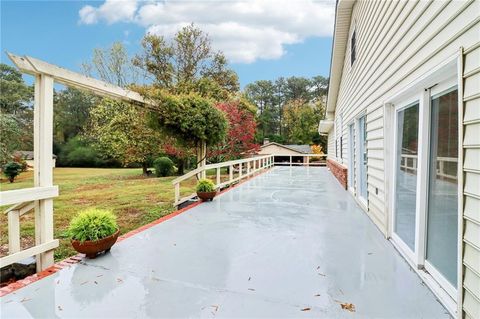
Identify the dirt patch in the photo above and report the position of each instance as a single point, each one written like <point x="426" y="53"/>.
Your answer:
<point x="89" y="187"/>
<point x="25" y="242"/>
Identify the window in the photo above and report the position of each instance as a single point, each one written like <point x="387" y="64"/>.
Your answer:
<point x="353" y="52"/>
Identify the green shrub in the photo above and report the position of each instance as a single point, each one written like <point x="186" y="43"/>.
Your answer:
<point x="92" y="224"/>
<point x="12" y="170"/>
<point x="205" y="185"/>
<point x="163" y="166"/>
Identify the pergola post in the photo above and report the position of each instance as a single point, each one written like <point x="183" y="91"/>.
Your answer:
<point x="43" y="164"/>
<point x="202" y="157"/>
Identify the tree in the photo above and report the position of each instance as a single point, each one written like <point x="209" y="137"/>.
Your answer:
<point x="117" y="129"/>
<point x="186" y="63"/>
<point x="120" y="131"/>
<point x="240" y="137"/>
<point x="261" y="93"/>
<point x="10" y="137"/>
<point x="301" y="121"/>
<point x="16" y="95"/>
<point x="189" y="118"/>
<point x="16" y="100"/>
<point x="113" y="65"/>
<point x="72" y="110"/>
<point x="188" y="67"/>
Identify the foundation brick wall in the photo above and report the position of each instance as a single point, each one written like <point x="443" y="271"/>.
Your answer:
<point x="339" y="171"/>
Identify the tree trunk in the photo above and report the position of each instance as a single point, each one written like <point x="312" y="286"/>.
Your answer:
<point x="145" y="168"/>
<point x="181" y="166"/>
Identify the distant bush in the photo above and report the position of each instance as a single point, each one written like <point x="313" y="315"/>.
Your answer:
<point x="163" y="166"/>
<point x="205" y="185"/>
<point x="77" y="153"/>
<point x="12" y="170"/>
<point x="92" y="224"/>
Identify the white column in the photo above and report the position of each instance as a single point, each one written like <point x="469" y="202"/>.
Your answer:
<point x="43" y="164"/>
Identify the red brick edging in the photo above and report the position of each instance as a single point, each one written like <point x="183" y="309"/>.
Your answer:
<point x="79" y="257"/>
<point x="339" y="171"/>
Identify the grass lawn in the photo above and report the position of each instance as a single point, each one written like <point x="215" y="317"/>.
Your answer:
<point x="136" y="200"/>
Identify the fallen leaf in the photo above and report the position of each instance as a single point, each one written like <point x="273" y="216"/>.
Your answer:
<point x="60" y="308"/>
<point x="340" y="291"/>
<point x="58" y="281"/>
<point x="215" y="307"/>
<point x="323" y="275"/>
<point x="370" y="253"/>
<point x="119" y="280"/>
<point x="306" y="309"/>
<point x="251" y="289"/>
<point x="99" y="276"/>
<point x="348" y="306"/>
<point x="318" y="267"/>
<point x="83" y="283"/>
<point x="317" y="295"/>
<point x="25" y="299"/>
<point x="249" y="278"/>
<point x="96" y="283"/>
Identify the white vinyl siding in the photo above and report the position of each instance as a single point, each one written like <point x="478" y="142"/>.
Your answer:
<point x="331" y="144"/>
<point x="471" y="168"/>
<point x="396" y="43"/>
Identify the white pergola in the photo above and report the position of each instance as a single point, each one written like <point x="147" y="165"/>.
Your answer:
<point x="40" y="197"/>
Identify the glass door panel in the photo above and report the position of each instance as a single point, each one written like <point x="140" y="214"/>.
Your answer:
<point x="351" y="156"/>
<point x="406" y="174"/>
<point x="362" y="158"/>
<point x="442" y="215"/>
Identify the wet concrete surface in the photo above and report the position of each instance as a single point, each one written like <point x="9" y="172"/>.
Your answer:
<point x="287" y="243"/>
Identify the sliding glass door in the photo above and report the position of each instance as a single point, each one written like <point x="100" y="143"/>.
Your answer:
<point x="425" y="186"/>
<point x="442" y="215"/>
<point x="406" y="168"/>
<point x="362" y="158"/>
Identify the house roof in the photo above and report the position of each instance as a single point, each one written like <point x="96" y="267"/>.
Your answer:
<point x="303" y="149"/>
<point x="27" y="155"/>
<point x="343" y="15"/>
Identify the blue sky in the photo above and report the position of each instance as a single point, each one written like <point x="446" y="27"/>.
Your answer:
<point x="260" y="45"/>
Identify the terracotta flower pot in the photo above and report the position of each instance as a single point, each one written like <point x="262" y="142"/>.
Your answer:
<point x="206" y="196"/>
<point x="92" y="247"/>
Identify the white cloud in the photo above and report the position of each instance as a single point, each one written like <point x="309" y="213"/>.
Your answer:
<point x="245" y="30"/>
<point x="110" y="11"/>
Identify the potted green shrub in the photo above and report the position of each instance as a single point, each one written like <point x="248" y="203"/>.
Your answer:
<point x="93" y="231"/>
<point x="206" y="189"/>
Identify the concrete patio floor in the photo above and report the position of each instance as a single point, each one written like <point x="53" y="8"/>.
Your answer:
<point x="287" y="243"/>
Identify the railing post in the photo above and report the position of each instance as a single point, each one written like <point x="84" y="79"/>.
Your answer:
<point x="254" y="165"/>
<point x="43" y="165"/>
<point x="248" y="167"/>
<point x="230" y="174"/>
<point x="290" y="160"/>
<point x="177" y="192"/>
<point x="240" y="170"/>
<point x="13" y="231"/>
<point x="218" y="176"/>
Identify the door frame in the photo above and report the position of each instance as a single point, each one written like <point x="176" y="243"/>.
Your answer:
<point x="360" y="199"/>
<point x="448" y="70"/>
<point x="351" y="157"/>
<point x="398" y="107"/>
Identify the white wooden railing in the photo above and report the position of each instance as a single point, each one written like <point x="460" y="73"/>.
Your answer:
<point x="243" y="167"/>
<point x="306" y="160"/>
<point x="409" y="163"/>
<point x="24" y="201"/>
